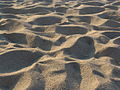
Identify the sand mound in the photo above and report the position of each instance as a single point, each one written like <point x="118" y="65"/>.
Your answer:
<point x="59" y="45"/>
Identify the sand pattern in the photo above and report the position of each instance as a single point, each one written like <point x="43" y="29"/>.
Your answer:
<point x="59" y="45"/>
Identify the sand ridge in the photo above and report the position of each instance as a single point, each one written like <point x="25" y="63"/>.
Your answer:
<point x="59" y="45"/>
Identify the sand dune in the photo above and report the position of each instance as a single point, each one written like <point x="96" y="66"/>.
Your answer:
<point x="59" y="45"/>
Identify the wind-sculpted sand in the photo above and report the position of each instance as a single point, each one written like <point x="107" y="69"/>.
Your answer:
<point x="59" y="45"/>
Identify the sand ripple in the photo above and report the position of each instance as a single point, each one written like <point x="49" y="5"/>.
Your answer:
<point x="59" y="45"/>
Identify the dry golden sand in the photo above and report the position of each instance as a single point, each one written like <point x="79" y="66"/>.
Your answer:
<point x="59" y="44"/>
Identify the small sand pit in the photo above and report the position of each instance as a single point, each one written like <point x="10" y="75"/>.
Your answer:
<point x="82" y="49"/>
<point x="47" y="20"/>
<point x="13" y="61"/>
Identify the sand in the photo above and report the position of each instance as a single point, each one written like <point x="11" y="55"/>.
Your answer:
<point x="59" y="44"/>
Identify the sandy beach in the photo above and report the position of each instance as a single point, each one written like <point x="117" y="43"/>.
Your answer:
<point x="59" y="44"/>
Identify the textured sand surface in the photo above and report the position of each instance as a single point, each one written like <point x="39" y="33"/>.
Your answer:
<point x="59" y="44"/>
